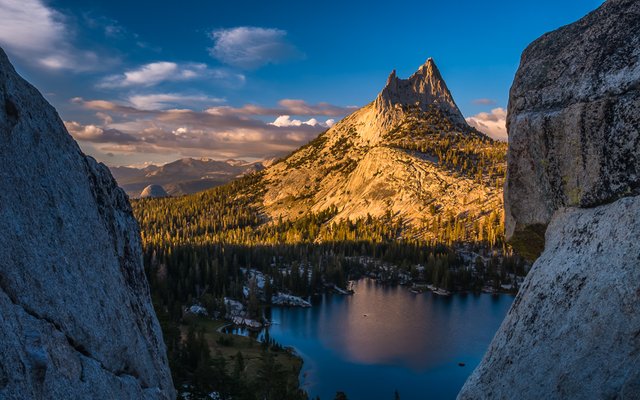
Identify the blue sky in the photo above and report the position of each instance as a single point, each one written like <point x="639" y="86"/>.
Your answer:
<point x="153" y="81"/>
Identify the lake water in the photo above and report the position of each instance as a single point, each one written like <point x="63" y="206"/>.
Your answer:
<point x="385" y="338"/>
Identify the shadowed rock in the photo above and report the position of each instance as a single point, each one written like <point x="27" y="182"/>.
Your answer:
<point x="573" y="331"/>
<point x="574" y="121"/>
<point x="76" y="315"/>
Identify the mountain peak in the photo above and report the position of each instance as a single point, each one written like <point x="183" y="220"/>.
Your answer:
<point x="429" y="68"/>
<point x="392" y="77"/>
<point x="424" y="88"/>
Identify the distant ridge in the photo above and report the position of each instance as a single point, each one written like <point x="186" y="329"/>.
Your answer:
<point x="183" y="176"/>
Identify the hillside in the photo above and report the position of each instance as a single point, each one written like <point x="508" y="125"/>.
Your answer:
<point x="409" y="153"/>
<point x="407" y="160"/>
<point x="402" y="190"/>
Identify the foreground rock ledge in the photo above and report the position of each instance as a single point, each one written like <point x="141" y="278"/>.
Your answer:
<point x="76" y="320"/>
<point x="573" y="331"/>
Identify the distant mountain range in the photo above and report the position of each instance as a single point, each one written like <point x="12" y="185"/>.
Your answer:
<point x="184" y="176"/>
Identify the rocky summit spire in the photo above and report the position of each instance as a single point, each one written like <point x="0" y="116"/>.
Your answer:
<point x="422" y="89"/>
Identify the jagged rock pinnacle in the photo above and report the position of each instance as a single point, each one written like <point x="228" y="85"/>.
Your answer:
<point x="424" y="88"/>
<point x="392" y="78"/>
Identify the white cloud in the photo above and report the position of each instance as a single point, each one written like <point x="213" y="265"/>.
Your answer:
<point x="153" y="73"/>
<point x="104" y="117"/>
<point x="148" y="75"/>
<point x="286" y="121"/>
<point x="129" y="132"/>
<point x="285" y="107"/>
<point x="484" y="102"/>
<point x="181" y="130"/>
<point x="39" y="35"/>
<point x="251" y="47"/>
<point x="82" y="132"/>
<point x="29" y="25"/>
<point x="492" y="124"/>
<point x="159" y="101"/>
<point x="165" y="71"/>
<point x="96" y="134"/>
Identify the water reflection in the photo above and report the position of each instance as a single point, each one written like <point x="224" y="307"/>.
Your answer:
<point x="387" y="338"/>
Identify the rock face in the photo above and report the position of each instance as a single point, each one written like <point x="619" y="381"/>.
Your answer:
<point x="77" y="320"/>
<point x="424" y="88"/>
<point x="574" y="121"/>
<point x="573" y="331"/>
<point x="152" y="191"/>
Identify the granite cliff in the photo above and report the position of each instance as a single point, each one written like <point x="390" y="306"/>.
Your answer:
<point x="571" y="195"/>
<point x="77" y="320"/>
<point x="573" y="121"/>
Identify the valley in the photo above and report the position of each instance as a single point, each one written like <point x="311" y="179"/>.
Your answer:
<point x="402" y="191"/>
